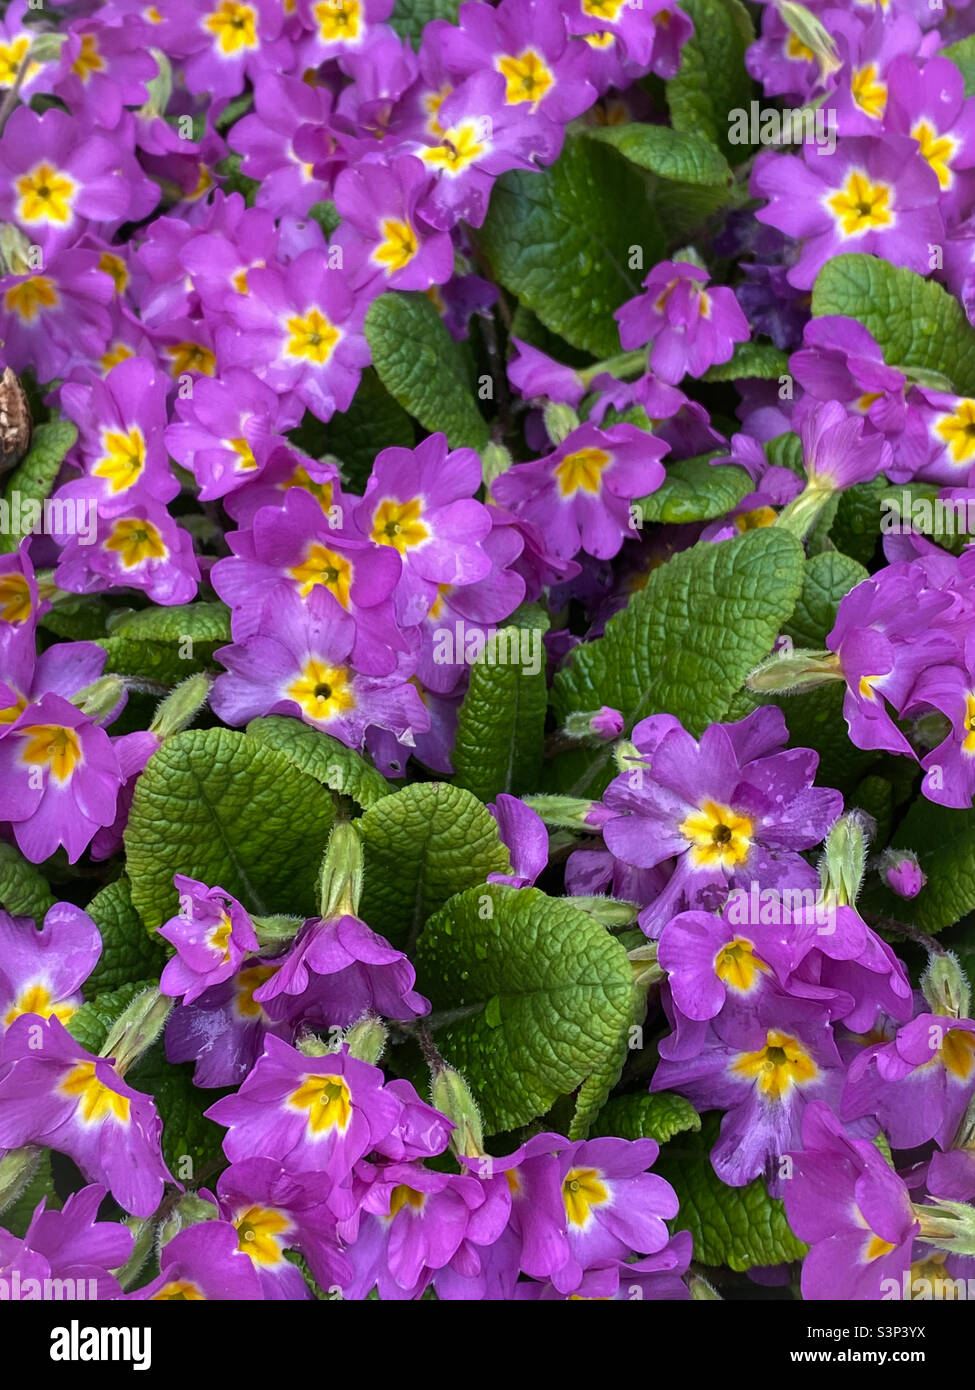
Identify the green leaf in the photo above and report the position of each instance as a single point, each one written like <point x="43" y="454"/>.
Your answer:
<point x="90" y="1024"/>
<point x="127" y="952"/>
<point x="658" y="1115"/>
<point x="187" y="1133"/>
<point x="686" y="642"/>
<point x="501" y="725"/>
<point x="692" y="177"/>
<point x="754" y="359"/>
<point x="696" y="490"/>
<point x="33" y="479"/>
<point x="734" y="1226"/>
<point x="561" y="240"/>
<point x="77" y="619"/>
<point x="24" y="890"/>
<point x="944" y="840"/>
<point x="828" y="578"/>
<point x="373" y="421"/>
<point x="340" y="768"/>
<point x="217" y="806"/>
<point x="962" y="54"/>
<point x="152" y="660"/>
<point x="919" y="326"/>
<point x="410" y="17"/>
<point x="545" y="993"/>
<point x="17" y="1217"/>
<point x="712" y="80"/>
<point x="193" y="622"/>
<point x="856" y="527"/>
<point x="785" y="450"/>
<point x="423" y="845"/>
<point x="422" y="367"/>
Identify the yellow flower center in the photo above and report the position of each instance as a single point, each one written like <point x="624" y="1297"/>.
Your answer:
<point x="338" y="20"/>
<point x="191" y="357"/>
<point x="403" y="1196"/>
<point x="861" y="205"/>
<point x="29" y="296"/>
<point x="869" y="93"/>
<point x="778" y="1066"/>
<point x="398" y="524"/>
<point x="603" y="9"/>
<point x="937" y="149"/>
<point x="219" y="936"/>
<point x="46" y="196"/>
<point x="323" y="692"/>
<point x="15" y="600"/>
<point x="233" y="25"/>
<point x="581" y="469"/>
<point x="247" y="982"/>
<point x="136" y="541"/>
<point x="256" y="1231"/>
<point x="179" y="1291"/>
<point x="957" y="1053"/>
<point x="89" y="60"/>
<point x="399" y="246"/>
<point x="36" y="999"/>
<point x="11" y="57"/>
<point x="96" y="1101"/>
<point x="124" y="458"/>
<point x="116" y="267"/>
<point x="117" y="353"/>
<point x="327" y="1100"/>
<point x="312" y="336"/>
<point x="798" y="51"/>
<point x="720" y="837"/>
<point x="737" y="965"/>
<point x="325" y="567"/>
<point x="968" y="742"/>
<point x="581" y="1191"/>
<point x="246" y="460"/>
<point x="527" y="76"/>
<point x="52" y="746"/>
<point x="958" y="432"/>
<point x="301" y="478"/>
<point x="460" y="147"/>
<point x="755" y="519"/>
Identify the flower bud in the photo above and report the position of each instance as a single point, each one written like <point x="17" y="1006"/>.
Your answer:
<point x="180" y="708"/>
<point x="945" y="986"/>
<point x="569" y="812"/>
<point x="495" y="460"/>
<point x="451" y="1096"/>
<point x="17" y="1167"/>
<point x="793" y="670"/>
<point x="341" y="874"/>
<point x="841" y="867"/>
<point x="902" y="873"/>
<point x="601" y="725"/>
<point x="560" y="421"/>
<point x="101" y="699"/>
<point x="367" y="1039"/>
<point x="136" y="1028"/>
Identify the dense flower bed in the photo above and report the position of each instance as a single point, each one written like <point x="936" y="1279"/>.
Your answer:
<point x="487" y="649"/>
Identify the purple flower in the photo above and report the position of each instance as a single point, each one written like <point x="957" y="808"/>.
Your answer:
<point x="223" y="1031"/>
<point x="873" y="194"/>
<point x="60" y="777"/>
<point x="42" y="971"/>
<point x="902" y="873"/>
<point x="420" y="503"/>
<point x="284" y="108"/>
<point x="918" y="1085"/>
<point x="691" y="328"/>
<point x="203" y="1262"/>
<point x="138" y="548"/>
<point x="212" y="935"/>
<point x="379" y="203"/>
<point x="57" y="319"/>
<point x="580" y="495"/>
<point x="846" y="1201"/>
<point x="523" y="831"/>
<point x="734" y="808"/>
<point x="314" y="1114"/>
<point x="53" y="1092"/>
<point x="70" y="1244"/>
<point x="300" y="325"/>
<point x="304" y="669"/>
<point x="341" y="969"/>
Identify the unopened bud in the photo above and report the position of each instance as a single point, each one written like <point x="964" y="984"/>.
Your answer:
<point x="181" y="707"/>
<point x="842" y="865"/>
<point x="812" y="34"/>
<point x="608" y="912"/>
<point x="136" y="1029"/>
<point x="901" y="872"/>
<point x="190" y="1210"/>
<point x="101" y="699"/>
<point x="495" y="460"/>
<point x="948" y="1225"/>
<point x="276" y="931"/>
<point x="367" y="1040"/>
<point x="17" y="1167"/>
<point x="568" y="812"/>
<point x="945" y="986"/>
<point x="560" y="421"/>
<point x="790" y="671"/>
<point x="600" y="726"/>
<point x="341" y="875"/>
<point x="643" y="960"/>
<point x="451" y="1096"/>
